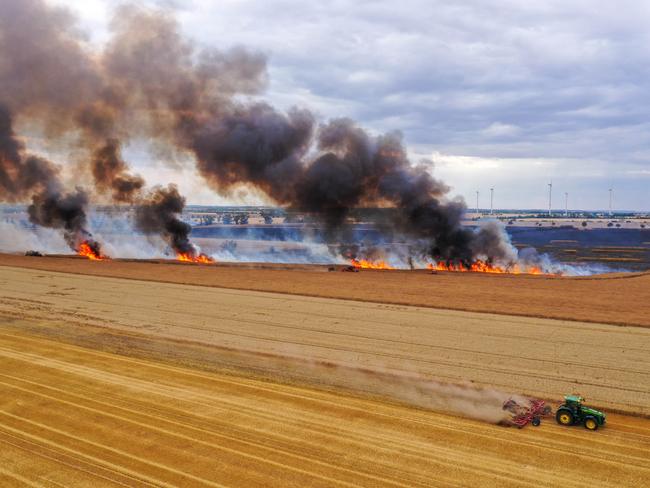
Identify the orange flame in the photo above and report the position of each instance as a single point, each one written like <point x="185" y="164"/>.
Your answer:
<point x="365" y="264"/>
<point x="188" y="258"/>
<point x="87" y="251"/>
<point x="480" y="266"/>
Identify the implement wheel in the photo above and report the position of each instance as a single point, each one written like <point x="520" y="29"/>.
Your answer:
<point x="591" y="423"/>
<point x="536" y="421"/>
<point x="564" y="417"/>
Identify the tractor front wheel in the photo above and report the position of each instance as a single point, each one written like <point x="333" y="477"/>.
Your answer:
<point x="564" y="417"/>
<point x="591" y="423"/>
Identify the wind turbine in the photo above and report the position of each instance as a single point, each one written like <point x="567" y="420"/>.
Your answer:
<point x="491" y="200"/>
<point x="550" y="195"/>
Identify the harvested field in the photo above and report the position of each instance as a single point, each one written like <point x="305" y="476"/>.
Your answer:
<point x="607" y="364"/>
<point x="613" y="299"/>
<point x="73" y="416"/>
<point x="109" y="381"/>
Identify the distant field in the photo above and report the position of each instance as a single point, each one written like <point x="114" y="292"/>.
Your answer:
<point x="624" y="248"/>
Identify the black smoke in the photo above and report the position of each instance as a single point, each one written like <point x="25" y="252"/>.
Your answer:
<point x="24" y="175"/>
<point x="160" y="214"/>
<point x="66" y="211"/>
<point x="151" y="82"/>
<point x="111" y="173"/>
<point x="258" y="146"/>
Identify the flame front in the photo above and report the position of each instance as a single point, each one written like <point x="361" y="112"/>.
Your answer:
<point x="86" y="250"/>
<point x="201" y="258"/>
<point x="365" y="264"/>
<point x="480" y="266"/>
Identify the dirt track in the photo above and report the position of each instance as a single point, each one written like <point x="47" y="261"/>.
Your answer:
<point x="75" y="416"/>
<point x="612" y="300"/>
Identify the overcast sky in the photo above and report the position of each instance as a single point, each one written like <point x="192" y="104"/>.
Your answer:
<point x="506" y="94"/>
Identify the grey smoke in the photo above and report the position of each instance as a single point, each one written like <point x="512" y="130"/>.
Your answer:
<point x="111" y="174"/>
<point x="160" y="213"/>
<point x="150" y="81"/>
<point x="24" y="175"/>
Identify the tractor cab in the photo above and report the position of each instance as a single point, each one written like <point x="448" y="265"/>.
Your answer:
<point x="573" y="402"/>
<point x="572" y="412"/>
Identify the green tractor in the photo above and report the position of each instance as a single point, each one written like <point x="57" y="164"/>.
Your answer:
<point x="572" y="412"/>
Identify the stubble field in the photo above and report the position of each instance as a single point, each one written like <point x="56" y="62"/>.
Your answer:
<point x="121" y="381"/>
<point x="614" y="299"/>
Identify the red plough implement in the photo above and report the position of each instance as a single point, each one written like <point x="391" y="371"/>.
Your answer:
<point x="522" y="415"/>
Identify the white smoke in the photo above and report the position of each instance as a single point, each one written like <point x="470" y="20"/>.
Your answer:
<point x="16" y="238"/>
<point x="272" y="252"/>
<point x="120" y="240"/>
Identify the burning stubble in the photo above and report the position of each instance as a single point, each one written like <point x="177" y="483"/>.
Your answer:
<point x="149" y="81"/>
<point x="71" y="90"/>
<point x="326" y="170"/>
<point x="159" y="213"/>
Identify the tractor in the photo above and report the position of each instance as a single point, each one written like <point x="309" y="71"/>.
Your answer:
<point x="572" y="412"/>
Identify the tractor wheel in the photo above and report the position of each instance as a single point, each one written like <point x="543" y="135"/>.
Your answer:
<point x="536" y="421"/>
<point x="591" y="423"/>
<point x="564" y="417"/>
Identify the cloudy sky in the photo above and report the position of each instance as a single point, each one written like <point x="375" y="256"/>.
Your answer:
<point x="505" y="94"/>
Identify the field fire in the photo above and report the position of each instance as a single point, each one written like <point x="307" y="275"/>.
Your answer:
<point x="295" y="160"/>
<point x="366" y="264"/>
<point x="477" y="266"/>
<point x="299" y="163"/>
<point x="200" y="259"/>
<point x="283" y="244"/>
<point x="480" y="266"/>
<point x="91" y="250"/>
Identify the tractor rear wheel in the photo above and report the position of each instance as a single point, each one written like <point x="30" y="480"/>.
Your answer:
<point x="564" y="417"/>
<point x="591" y="423"/>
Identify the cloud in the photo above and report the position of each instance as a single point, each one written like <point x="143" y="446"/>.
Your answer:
<point x="497" y="130"/>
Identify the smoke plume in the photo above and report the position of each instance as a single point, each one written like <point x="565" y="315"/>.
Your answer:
<point x="326" y="170"/>
<point x="66" y="211"/>
<point x="258" y="146"/>
<point x="159" y="214"/>
<point x="111" y="173"/>
<point x="149" y="81"/>
<point x="23" y="175"/>
<point x="74" y="91"/>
